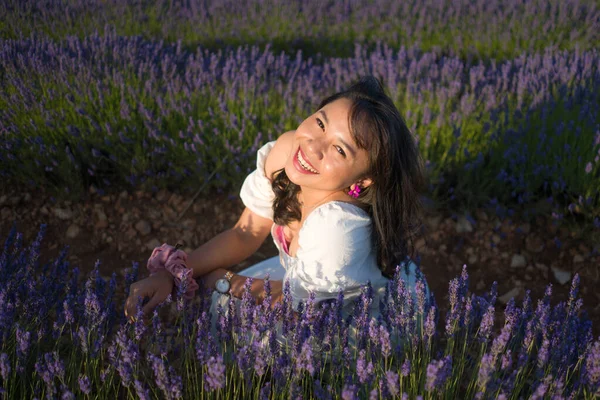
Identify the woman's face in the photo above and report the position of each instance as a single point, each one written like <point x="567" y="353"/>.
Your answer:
<point x="324" y="156"/>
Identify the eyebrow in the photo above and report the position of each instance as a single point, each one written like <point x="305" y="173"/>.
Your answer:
<point x="350" y="148"/>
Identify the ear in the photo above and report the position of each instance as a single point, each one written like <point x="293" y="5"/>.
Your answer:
<point x="366" y="182"/>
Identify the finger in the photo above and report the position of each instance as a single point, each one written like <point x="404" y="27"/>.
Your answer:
<point x="154" y="301"/>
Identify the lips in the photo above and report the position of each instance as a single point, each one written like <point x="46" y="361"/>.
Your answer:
<point x="299" y="167"/>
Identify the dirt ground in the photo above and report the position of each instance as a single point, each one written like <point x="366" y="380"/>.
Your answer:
<point x="122" y="228"/>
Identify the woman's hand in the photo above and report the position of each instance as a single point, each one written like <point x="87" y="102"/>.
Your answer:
<point x="276" y="292"/>
<point x="157" y="287"/>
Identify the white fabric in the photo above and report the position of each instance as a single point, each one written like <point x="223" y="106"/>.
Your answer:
<point x="257" y="193"/>
<point x="334" y="252"/>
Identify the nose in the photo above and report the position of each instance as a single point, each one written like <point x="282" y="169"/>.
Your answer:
<point x="315" y="149"/>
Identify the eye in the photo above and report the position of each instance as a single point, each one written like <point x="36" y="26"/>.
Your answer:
<point x="341" y="151"/>
<point x="321" y="124"/>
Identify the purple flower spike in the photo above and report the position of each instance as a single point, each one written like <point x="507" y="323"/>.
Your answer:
<point x="349" y="392"/>
<point x="363" y="370"/>
<point x="140" y="389"/>
<point x="4" y="366"/>
<point x="437" y="373"/>
<point x="304" y="361"/>
<point x="84" y="384"/>
<point x="592" y="367"/>
<point x="405" y="371"/>
<point x="215" y="376"/>
<point x="392" y="382"/>
<point x="167" y="381"/>
<point x="487" y="323"/>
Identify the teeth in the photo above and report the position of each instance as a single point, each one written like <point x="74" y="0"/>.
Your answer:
<point x="305" y="164"/>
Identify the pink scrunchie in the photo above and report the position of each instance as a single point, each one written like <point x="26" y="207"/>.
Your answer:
<point x="173" y="260"/>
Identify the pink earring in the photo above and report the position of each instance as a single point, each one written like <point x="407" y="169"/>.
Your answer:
<point x="355" y="192"/>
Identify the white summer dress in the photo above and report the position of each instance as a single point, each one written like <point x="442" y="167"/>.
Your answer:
<point x="334" y="251"/>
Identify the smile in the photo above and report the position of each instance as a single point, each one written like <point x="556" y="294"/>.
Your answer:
<point x="305" y="165"/>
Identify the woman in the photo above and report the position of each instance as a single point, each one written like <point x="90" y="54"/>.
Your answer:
<point x="339" y="195"/>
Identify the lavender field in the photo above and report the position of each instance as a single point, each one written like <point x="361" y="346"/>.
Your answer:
<point x="503" y="98"/>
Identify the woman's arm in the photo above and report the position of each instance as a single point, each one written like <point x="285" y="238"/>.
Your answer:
<point x="231" y="246"/>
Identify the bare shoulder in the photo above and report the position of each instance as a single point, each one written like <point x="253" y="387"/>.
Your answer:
<point x="279" y="154"/>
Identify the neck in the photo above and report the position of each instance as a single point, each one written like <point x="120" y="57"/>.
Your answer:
<point x="311" y="199"/>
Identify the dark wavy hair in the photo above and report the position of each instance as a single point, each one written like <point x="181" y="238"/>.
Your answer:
<point x="395" y="168"/>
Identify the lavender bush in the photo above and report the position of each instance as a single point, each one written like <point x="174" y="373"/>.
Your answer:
<point x="483" y="29"/>
<point x="113" y="111"/>
<point x="63" y="335"/>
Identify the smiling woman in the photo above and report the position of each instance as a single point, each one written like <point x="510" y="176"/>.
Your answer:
<point x="340" y="197"/>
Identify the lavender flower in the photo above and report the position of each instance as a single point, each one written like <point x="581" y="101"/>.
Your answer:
<point x="84" y="384"/>
<point x="215" y="376"/>
<point x="392" y="382"/>
<point x="437" y="373"/>
<point x="405" y="370"/>
<point x="349" y="392"/>
<point x="167" y="381"/>
<point x="363" y="370"/>
<point x="304" y="360"/>
<point x="4" y="366"/>
<point x="592" y="367"/>
<point x="487" y="323"/>
<point x="140" y="389"/>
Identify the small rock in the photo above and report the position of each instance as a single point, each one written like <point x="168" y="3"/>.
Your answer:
<point x="189" y="224"/>
<point x="27" y="198"/>
<point x="14" y="201"/>
<point x="518" y="261"/>
<point x="197" y="208"/>
<point x="528" y="277"/>
<point x="434" y="222"/>
<point x="481" y="215"/>
<point x="420" y="244"/>
<point x="526" y="228"/>
<point x="496" y="238"/>
<point x="504" y="299"/>
<point x="101" y="224"/>
<point x="442" y="248"/>
<point x="109" y="239"/>
<point x="541" y="267"/>
<point x="63" y="213"/>
<point x="130" y="234"/>
<point x="73" y="231"/>
<point x="161" y="195"/>
<point x="503" y="255"/>
<point x="3" y="199"/>
<point x="100" y="214"/>
<point x="126" y="217"/>
<point x="473" y="258"/>
<point x="534" y="244"/>
<point x="143" y="227"/>
<point x="123" y="195"/>
<point x="561" y="276"/>
<point x="578" y="258"/>
<point x="150" y="245"/>
<point x="105" y="199"/>
<point x="463" y="225"/>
